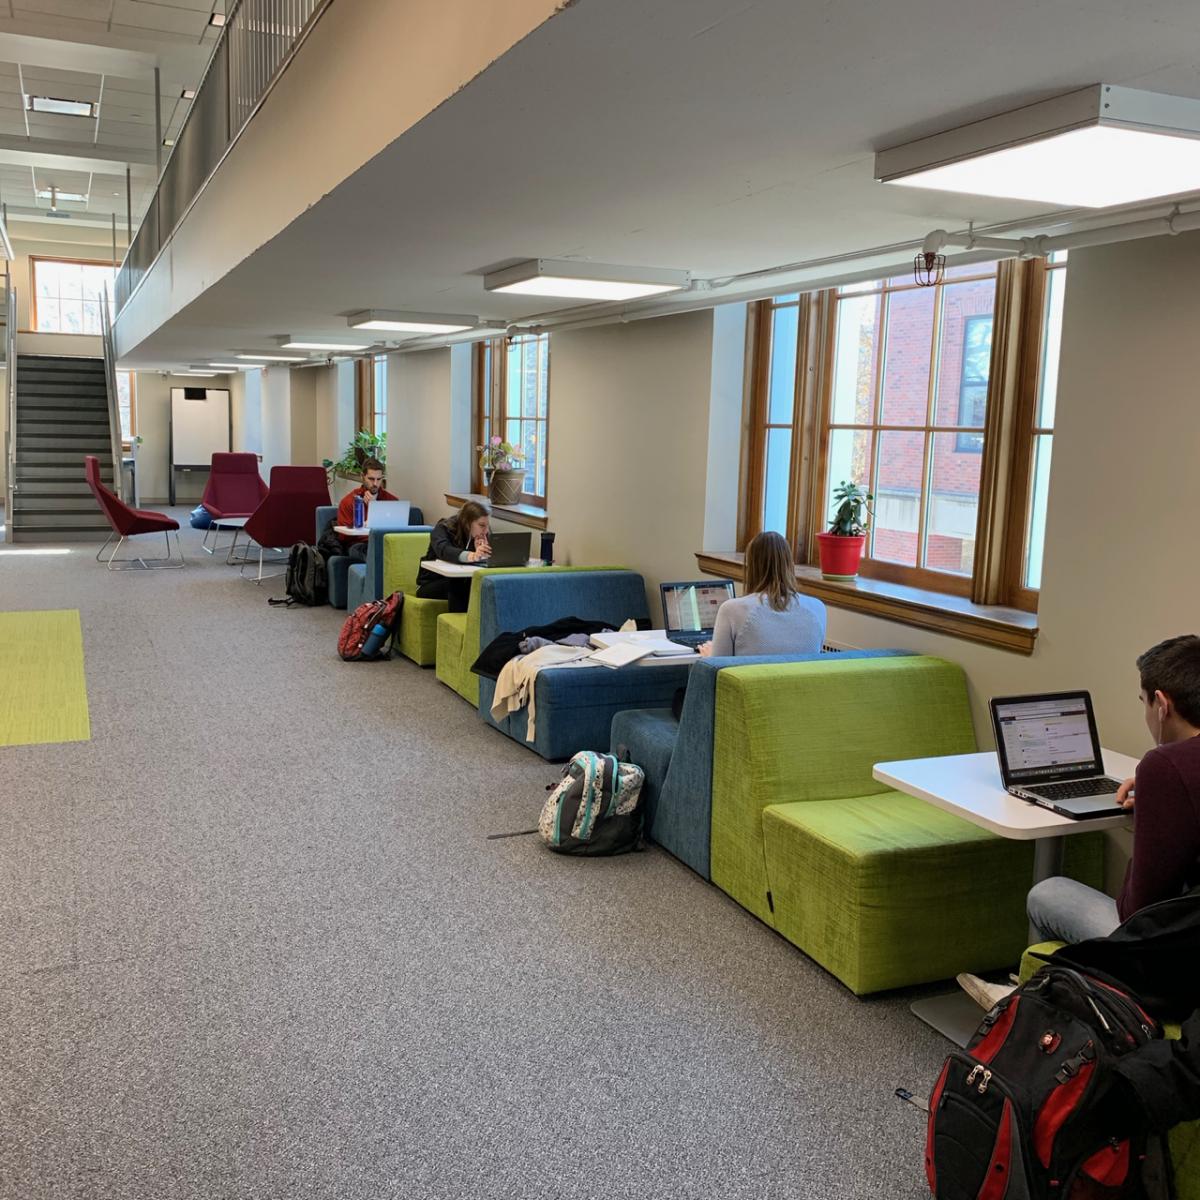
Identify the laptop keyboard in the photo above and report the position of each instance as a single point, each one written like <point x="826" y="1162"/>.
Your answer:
<point x="689" y="639"/>
<point x="1077" y="788"/>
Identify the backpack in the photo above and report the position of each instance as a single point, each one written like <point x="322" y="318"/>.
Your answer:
<point x="358" y="641"/>
<point x="595" y="809"/>
<point x="1015" y="1116"/>
<point x="330" y="544"/>
<point x="306" y="581"/>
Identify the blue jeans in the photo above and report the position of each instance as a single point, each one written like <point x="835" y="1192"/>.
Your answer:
<point x="1064" y="910"/>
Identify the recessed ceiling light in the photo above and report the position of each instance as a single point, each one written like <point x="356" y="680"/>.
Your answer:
<point x="53" y="193"/>
<point x="188" y="94"/>
<point x="196" y="374"/>
<point x="346" y="347"/>
<point x="60" y="108"/>
<point x="584" y="280"/>
<point x="1093" y="148"/>
<point x="216" y="19"/>
<point x="410" y="322"/>
<point x="168" y="141"/>
<point x="273" y="357"/>
<point x="229" y="366"/>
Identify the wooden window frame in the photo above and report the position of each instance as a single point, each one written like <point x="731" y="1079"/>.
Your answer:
<point x="34" y="259"/>
<point x="490" y="404"/>
<point x="373" y="363"/>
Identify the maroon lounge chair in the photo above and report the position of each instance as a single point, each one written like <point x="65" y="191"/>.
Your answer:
<point x="287" y="514"/>
<point x="234" y="490"/>
<point x="131" y="522"/>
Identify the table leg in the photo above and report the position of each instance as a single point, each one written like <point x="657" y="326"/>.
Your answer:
<point x="1047" y="862"/>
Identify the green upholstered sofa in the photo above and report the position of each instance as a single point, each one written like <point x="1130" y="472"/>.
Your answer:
<point x="418" y="622"/>
<point x="458" y="633"/>
<point x="1185" y="1138"/>
<point x="880" y="888"/>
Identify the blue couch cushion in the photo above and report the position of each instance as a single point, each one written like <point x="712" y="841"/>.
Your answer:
<point x="657" y="729"/>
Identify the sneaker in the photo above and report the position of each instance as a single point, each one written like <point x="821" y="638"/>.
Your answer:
<point x="986" y="995"/>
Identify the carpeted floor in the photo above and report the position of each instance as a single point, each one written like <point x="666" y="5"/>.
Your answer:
<point x="255" y="945"/>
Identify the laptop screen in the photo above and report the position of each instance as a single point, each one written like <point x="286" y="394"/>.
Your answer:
<point x="387" y="514"/>
<point x="1046" y="737"/>
<point x="692" y="607"/>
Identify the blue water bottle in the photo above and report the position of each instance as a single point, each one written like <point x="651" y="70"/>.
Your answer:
<point x="375" y="639"/>
<point x="359" y="512"/>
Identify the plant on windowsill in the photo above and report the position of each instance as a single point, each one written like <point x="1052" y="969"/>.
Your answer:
<point x="504" y="477"/>
<point x="349" y="466"/>
<point x="841" y="548"/>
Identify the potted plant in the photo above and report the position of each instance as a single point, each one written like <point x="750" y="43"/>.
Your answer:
<point x="365" y="445"/>
<point x="502" y="471"/>
<point x="841" y="548"/>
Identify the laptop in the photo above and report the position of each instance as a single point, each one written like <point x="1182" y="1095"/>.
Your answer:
<point x="508" y="550"/>
<point x="387" y="514"/>
<point x="1049" y="754"/>
<point x="690" y="609"/>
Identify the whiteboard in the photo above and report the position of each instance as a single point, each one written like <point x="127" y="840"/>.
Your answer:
<point x="199" y="428"/>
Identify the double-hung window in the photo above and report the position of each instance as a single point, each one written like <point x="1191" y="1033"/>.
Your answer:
<point x="512" y="401"/>
<point x="67" y="294"/>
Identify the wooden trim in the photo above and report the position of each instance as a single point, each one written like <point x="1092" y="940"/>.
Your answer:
<point x="818" y="488"/>
<point x="364" y="407"/>
<point x="918" y="577"/>
<point x="759" y="411"/>
<point x="1002" y="628"/>
<point x="518" y="514"/>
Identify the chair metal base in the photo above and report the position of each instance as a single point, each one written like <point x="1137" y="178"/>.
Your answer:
<point x="247" y="560"/>
<point x="171" y="562"/>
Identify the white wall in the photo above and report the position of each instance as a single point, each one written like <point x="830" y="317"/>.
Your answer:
<point x="276" y="418"/>
<point x="153" y="401"/>
<point x="419" y="423"/>
<point x="303" y="394"/>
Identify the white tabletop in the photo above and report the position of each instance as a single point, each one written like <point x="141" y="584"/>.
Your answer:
<point x="969" y="786"/>
<point x="350" y="531"/>
<point x="230" y="522"/>
<point x="462" y="570"/>
<point x="658" y="637"/>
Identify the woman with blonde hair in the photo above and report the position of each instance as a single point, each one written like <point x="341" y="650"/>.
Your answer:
<point x="772" y="617"/>
<point x="462" y="538"/>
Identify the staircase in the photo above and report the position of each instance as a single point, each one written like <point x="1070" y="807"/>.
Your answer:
<point x="62" y="414"/>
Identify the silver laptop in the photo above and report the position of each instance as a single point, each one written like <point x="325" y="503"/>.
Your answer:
<point x="690" y="609"/>
<point x="1049" y="754"/>
<point x="387" y="514"/>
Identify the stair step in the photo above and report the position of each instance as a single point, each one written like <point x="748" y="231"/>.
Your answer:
<point x="69" y="486"/>
<point x="61" y="409"/>
<point x="50" y="365"/>
<point x="89" y="389"/>
<point x="83" y="426"/>
<point x="64" y="533"/>
<point x="65" y="442"/>
<point x="27" y="504"/>
<point x="93" y="520"/>
<point x="56" y="476"/>
<point x="40" y="457"/>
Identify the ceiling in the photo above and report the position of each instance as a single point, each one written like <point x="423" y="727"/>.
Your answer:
<point x="708" y="135"/>
<point x="103" y="52"/>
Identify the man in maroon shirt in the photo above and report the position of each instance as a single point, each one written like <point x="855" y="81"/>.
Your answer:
<point x="371" y="489"/>
<point x="1165" y="797"/>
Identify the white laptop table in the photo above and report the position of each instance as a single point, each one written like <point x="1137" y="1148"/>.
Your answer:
<point x="969" y="786"/>
<point x="462" y="570"/>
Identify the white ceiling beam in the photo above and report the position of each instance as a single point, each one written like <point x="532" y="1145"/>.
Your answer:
<point x="76" y="156"/>
<point x="53" y="46"/>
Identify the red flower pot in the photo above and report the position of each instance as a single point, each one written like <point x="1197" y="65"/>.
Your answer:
<point x="839" y="555"/>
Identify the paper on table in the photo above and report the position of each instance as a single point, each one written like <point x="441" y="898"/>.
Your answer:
<point x="621" y="654"/>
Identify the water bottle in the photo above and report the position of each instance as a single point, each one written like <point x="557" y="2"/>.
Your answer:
<point x="360" y="511"/>
<point x="375" y="640"/>
<point x="547" y="552"/>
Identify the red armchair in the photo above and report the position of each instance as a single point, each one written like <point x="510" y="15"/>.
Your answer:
<point x="130" y="522"/>
<point x="234" y="490"/>
<point x="287" y="514"/>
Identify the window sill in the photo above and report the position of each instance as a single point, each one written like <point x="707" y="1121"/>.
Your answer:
<point x="517" y="514"/>
<point x="1004" y="628"/>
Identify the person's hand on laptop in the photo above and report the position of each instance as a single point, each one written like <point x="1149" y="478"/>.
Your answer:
<point x="705" y="649"/>
<point x="1125" y="794"/>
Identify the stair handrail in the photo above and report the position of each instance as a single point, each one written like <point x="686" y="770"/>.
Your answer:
<point x="10" y="382"/>
<point x="110" y="387"/>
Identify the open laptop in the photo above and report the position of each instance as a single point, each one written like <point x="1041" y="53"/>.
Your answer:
<point x="690" y="609"/>
<point x="387" y="514"/>
<point x="508" y="550"/>
<point x="1049" y="753"/>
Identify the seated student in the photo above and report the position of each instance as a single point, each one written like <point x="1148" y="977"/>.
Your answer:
<point x="1165" y="798"/>
<point x="772" y="617"/>
<point x="462" y="538"/>
<point x="370" y="489"/>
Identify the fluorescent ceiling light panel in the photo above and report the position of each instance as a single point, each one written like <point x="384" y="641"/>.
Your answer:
<point x="411" y="322"/>
<point x="51" y="194"/>
<point x="273" y="357"/>
<point x="217" y="19"/>
<point x="196" y="374"/>
<point x="188" y="94"/>
<point x="60" y="108"/>
<point x="584" y="280"/>
<point x="1098" y="147"/>
<point x="346" y="347"/>
<point x="229" y="366"/>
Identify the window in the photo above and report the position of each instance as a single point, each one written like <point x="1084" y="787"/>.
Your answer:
<point x="67" y="294"/>
<point x="890" y="385"/>
<point x="379" y="395"/>
<point x="126" y="403"/>
<point x="512" y="400"/>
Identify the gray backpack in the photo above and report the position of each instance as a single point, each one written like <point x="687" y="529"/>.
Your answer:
<point x="596" y="808"/>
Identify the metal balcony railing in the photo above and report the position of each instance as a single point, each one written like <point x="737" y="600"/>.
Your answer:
<point x="258" y="40"/>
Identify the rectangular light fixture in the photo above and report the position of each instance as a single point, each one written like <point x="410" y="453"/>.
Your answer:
<point x="229" y="366"/>
<point x="217" y="20"/>
<point x="410" y="322"/>
<point x="53" y="194"/>
<point x="188" y="94"/>
<point x="196" y="374"/>
<point x="273" y="357"/>
<point x="1097" y="147"/>
<point x="59" y="107"/>
<point x="345" y="347"/>
<point x="584" y="280"/>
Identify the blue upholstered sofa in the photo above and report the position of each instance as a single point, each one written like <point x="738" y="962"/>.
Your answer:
<point x="575" y="705"/>
<point x="352" y="584"/>
<point x="677" y="756"/>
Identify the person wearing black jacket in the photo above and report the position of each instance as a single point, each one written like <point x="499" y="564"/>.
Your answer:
<point x="462" y="538"/>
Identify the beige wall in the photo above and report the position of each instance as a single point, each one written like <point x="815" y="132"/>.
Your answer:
<point x="419" y="422"/>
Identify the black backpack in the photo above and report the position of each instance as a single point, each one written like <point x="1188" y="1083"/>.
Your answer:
<point x="306" y="581"/>
<point x="1025" y="1112"/>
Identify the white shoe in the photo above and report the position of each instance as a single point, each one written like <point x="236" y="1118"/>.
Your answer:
<point x="986" y="995"/>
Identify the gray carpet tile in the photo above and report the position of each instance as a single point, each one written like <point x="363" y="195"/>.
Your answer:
<point x="255" y="944"/>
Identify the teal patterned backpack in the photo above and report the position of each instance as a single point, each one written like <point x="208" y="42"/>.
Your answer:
<point x="596" y="808"/>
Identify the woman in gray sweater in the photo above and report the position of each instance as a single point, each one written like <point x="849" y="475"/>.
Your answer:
<point x="772" y="617"/>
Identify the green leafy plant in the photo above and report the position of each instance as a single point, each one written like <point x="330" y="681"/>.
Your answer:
<point x="852" y="510"/>
<point x="365" y="445"/>
<point x="499" y="455"/>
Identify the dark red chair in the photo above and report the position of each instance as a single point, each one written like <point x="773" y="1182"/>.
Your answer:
<point x="130" y="522"/>
<point x="234" y="490"/>
<point x="287" y="514"/>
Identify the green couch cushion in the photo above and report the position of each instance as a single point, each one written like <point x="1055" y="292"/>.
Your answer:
<point x="402" y="560"/>
<point x="418" y="629"/>
<point x="451" y="628"/>
<point x="813" y="731"/>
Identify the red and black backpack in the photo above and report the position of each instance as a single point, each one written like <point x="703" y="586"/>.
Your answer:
<point x="367" y="631"/>
<point x="1014" y="1116"/>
